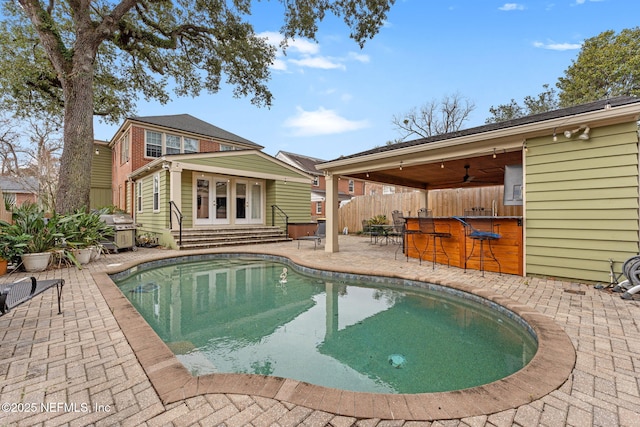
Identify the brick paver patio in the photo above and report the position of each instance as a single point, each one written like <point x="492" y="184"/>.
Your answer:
<point x="79" y="369"/>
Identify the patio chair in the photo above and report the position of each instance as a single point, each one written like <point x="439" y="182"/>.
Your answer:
<point x="316" y="237"/>
<point x="400" y="226"/>
<point x="428" y="228"/>
<point x="14" y="294"/>
<point x="475" y="234"/>
<point x="368" y="229"/>
<point x="424" y="213"/>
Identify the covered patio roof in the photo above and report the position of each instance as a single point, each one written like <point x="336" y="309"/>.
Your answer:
<point x="439" y="161"/>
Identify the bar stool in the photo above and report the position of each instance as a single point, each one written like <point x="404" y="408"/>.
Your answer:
<point x="428" y="227"/>
<point x="400" y="226"/>
<point x="482" y="236"/>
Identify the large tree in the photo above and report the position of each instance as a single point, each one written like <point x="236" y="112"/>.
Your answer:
<point x="546" y="100"/>
<point x="435" y="117"/>
<point x="608" y="65"/>
<point x="88" y="57"/>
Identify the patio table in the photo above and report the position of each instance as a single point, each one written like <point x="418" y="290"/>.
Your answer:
<point x="383" y="232"/>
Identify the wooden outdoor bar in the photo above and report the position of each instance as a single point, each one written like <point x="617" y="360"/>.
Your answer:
<point x="507" y="249"/>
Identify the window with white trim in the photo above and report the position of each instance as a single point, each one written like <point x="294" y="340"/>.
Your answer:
<point x="124" y="148"/>
<point x="153" y="144"/>
<point x="172" y="144"/>
<point x="319" y="208"/>
<point x="191" y="145"/>
<point x="351" y="186"/>
<point x="315" y="181"/>
<point x="156" y="192"/>
<point x="224" y="147"/>
<point x="139" y="195"/>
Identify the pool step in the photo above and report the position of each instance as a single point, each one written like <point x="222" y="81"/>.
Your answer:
<point x="213" y="237"/>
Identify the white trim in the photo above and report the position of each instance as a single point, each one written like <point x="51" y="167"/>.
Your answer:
<point x="139" y="197"/>
<point x="156" y="180"/>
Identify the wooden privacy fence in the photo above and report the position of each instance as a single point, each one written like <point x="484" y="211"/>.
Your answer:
<point x="443" y="203"/>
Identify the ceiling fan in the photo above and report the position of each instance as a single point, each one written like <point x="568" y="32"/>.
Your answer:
<point x="466" y="179"/>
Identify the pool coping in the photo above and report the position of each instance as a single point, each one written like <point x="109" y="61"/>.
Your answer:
<point x="549" y="369"/>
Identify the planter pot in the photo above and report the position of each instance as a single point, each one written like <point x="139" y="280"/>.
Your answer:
<point x="36" y="262"/>
<point x="3" y="266"/>
<point x="95" y="253"/>
<point x="83" y="255"/>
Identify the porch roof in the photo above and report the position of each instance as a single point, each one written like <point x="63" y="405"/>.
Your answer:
<point x="439" y="161"/>
<point x="199" y="162"/>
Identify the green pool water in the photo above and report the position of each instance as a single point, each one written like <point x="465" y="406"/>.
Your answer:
<point x="245" y="316"/>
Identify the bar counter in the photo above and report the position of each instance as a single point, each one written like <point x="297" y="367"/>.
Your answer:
<point x="507" y="249"/>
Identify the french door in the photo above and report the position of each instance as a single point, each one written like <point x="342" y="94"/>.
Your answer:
<point x="249" y="207"/>
<point x="218" y="200"/>
<point x="212" y="200"/>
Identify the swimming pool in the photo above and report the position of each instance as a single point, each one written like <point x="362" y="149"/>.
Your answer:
<point x="549" y="369"/>
<point x="268" y="316"/>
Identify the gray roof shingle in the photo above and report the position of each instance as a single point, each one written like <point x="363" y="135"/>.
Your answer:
<point x="305" y="163"/>
<point x="188" y="123"/>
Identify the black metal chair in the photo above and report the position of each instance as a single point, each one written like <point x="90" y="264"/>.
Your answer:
<point x="428" y="228"/>
<point x="424" y="213"/>
<point x="317" y="237"/>
<point x="20" y="291"/>
<point x="482" y="232"/>
<point x="400" y="225"/>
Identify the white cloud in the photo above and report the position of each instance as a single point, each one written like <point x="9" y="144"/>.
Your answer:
<point x="511" y="6"/>
<point x="305" y="53"/>
<point x="321" y="122"/>
<point x="557" y="46"/>
<point x="304" y="47"/>
<point x="279" y="64"/>
<point x="318" y="62"/>
<point x="355" y="56"/>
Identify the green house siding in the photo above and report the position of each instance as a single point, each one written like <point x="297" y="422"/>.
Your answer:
<point x="582" y="203"/>
<point x="249" y="163"/>
<point x="154" y="222"/>
<point x="100" y="193"/>
<point x="186" y="191"/>
<point x="292" y="198"/>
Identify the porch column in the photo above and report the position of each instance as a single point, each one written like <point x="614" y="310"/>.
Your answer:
<point x="331" y="207"/>
<point x="175" y="192"/>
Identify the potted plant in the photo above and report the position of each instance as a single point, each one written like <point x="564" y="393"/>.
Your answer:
<point x="43" y="236"/>
<point x="12" y="244"/>
<point x="83" y="231"/>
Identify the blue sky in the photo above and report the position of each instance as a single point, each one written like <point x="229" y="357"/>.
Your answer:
<point x="332" y="98"/>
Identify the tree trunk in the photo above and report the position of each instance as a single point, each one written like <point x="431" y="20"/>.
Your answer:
<point x="74" y="183"/>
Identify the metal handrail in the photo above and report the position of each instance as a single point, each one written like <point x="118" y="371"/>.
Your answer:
<point x="281" y="213"/>
<point x="173" y="209"/>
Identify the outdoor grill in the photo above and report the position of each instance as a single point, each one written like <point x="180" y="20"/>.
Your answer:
<point x="124" y="236"/>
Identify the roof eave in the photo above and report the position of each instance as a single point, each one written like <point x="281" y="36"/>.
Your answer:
<point x="511" y="137"/>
